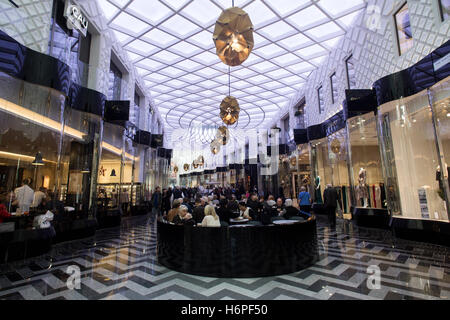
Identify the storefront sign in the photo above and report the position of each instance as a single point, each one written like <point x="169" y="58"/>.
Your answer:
<point x="423" y="203"/>
<point x="75" y="19"/>
<point x="442" y="62"/>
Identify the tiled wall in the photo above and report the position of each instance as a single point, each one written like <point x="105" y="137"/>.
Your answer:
<point x="375" y="53"/>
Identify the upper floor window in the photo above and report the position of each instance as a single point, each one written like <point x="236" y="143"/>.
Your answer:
<point x="115" y="82"/>
<point x="351" y="75"/>
<point x="320" y="98"/>
<point x="334" y="91"/>
<point x="287" y="129"/>
<point x="137" y="107"/>
<point x="300" y="114"/>
<point x="444" y="6"/>
<point x="403" y="27"/>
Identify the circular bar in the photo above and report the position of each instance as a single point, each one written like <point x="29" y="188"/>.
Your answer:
<point x="240" y="251"/>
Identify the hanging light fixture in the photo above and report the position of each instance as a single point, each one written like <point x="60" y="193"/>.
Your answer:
<point x="215" y="147"/>
<point x="233" y="36"/>
<point x="38" y="160"/>
<point x="175" y="169"/>
<point x="186" y="167"/>
<point x="113" y="173"/>
<point x="229" y="110"/>
<point x="223" y="135"/>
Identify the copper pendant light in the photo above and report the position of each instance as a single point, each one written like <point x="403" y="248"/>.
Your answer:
<point x="215" y="147"/>
<point x="175" y="169"/>
<point x="229" y="110"/>
<point x="186" y="167"/>
<point x="223" y="135"/>
<point x="336" y="146"/>
<point x="233" y="36"/>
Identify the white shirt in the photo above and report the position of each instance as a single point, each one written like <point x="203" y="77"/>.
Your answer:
<point x="209" y="221"/>
<point x="25" y="196"/>
<point x="38" y="197"/>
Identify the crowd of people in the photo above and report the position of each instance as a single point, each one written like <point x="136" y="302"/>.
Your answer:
<point x="216" y="207"/>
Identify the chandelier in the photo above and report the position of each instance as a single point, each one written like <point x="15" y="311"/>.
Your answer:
<point x="233" y="36"/>
<point x="215" y="147"/>
<point x="223" y="135"/>
<point x="229" y="110"/>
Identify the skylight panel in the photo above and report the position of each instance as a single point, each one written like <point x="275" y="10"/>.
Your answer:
<point x="259" y="13"/>
<point x="203" y="39"/>
<point x="203" y="12"/>
<point x="184" y="48"/>
<point x="311" y="51"/>
<point x="284" y="7"/>
<point x="132" y="25"/>
<point x="179" y="26"/>
<point x="263" y="66"/>
<point x="141" y="47"/>
<point x="286" y="59"/>
<point x="166" y="56"/>
<point x="325" y="31"/>
<point x="188" y="65"/>
<point x="277" y="30"/>
<point x="206" y="58"/>
<point x="336" y="8"/>
<point x="270" y="50"/>
<point x="295" y="41"/>
<point x="159" y="37"/>
<point x="108" y="9"/>
<point x="150" y="64"/>
<point x="307" y="17"/>
<point x="153" y="13"/>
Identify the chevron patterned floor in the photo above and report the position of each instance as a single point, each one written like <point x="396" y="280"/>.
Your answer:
<point x="120" y="264"/>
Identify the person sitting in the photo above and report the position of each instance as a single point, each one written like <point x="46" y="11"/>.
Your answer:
<point x="183" y="217"/>
<point x="290" y="211"/>
<point x="199" y="210"/>
<point x="24" y="196"/>
<point x="215" y="201"/>
<point x="233" y="205"/>
<point x="174" y="211"/>
<point x="246" y="212"/>
<point x="187" y="204"/>
<point x="270" y="211"/>
<point x="211" y="218"/>
<point x="224" y="213"/>
<point x="3" y="213"/>
<point x="280" y="206"/>
<point x="39" y="197"/>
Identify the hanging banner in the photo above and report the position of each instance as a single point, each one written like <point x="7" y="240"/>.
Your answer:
<point x="75" y="18"/>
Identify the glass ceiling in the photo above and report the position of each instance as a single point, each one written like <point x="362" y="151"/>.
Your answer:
<point x="170" y="43"/>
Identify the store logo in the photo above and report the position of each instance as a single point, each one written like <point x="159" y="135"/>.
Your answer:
<point x="374" y="281"/>
<point x="74" y="281"/>
<point x="332" y="128"/>
<point x="75" y="19"/>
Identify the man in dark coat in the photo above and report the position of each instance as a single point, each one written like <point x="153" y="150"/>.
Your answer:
<point x="330" y="197"/>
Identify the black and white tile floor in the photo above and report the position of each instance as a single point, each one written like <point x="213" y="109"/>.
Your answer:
<point x="121" y="264"/>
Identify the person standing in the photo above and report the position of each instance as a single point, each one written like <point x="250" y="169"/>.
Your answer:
<point x="24" y="196"/>
<point x="156" y="202"/>
<point x="304" y="200"/>
<point x="330" y="197"/>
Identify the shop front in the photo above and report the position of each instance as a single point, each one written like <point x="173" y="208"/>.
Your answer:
<point x="413" y="121"/>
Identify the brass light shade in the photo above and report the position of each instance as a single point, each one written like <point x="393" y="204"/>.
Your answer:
<point x="233" y="36"/>
<point x="223" y="135"/>
<point x="215" y="147"/>
<point x="335" y="146"/>
<point x="186" y="167"/>
<point x="229" y="110"/>
<point x="175" y="169"/>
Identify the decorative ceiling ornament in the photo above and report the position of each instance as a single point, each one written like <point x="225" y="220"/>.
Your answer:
<point x="223" y="135"/>
<point x="215" y="147"/>
<point x="175" y="169"/>
<point x="229" y="110"/>
<point x="233" y="36"/>
<point x="195" y="165"/>
<point x="335" y="146"/>
<point x="186" y="167"/>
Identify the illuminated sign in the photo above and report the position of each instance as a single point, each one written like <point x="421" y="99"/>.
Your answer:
<point x="75" y="18"/>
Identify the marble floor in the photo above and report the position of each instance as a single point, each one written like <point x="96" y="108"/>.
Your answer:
<point x="120" y="264"/>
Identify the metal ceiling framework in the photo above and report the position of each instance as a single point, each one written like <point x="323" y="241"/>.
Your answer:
<point x="170" y="43"/>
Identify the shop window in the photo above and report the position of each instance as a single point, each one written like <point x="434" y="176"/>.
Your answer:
<point x="115" y="82"/>
<point x="287" y="130"/>
<point x="351" y="75"/>
<point x="334" y="92"/>
<point x="403" y="28"/>
<point x="320" y="97"/>
<point x="137" y="108"/>
<point x="444" y="6"/>
<point x="300" y="114"/>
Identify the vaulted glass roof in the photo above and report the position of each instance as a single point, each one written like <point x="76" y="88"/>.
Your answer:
<point x="170" y="43"/>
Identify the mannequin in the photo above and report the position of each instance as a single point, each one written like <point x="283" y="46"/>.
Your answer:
<point x="317" y="191"/>
<point x="361" y="190"/>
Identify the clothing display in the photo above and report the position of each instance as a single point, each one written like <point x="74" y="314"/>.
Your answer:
<point x="362" y="192"/>
<point x="317" y="192"/>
